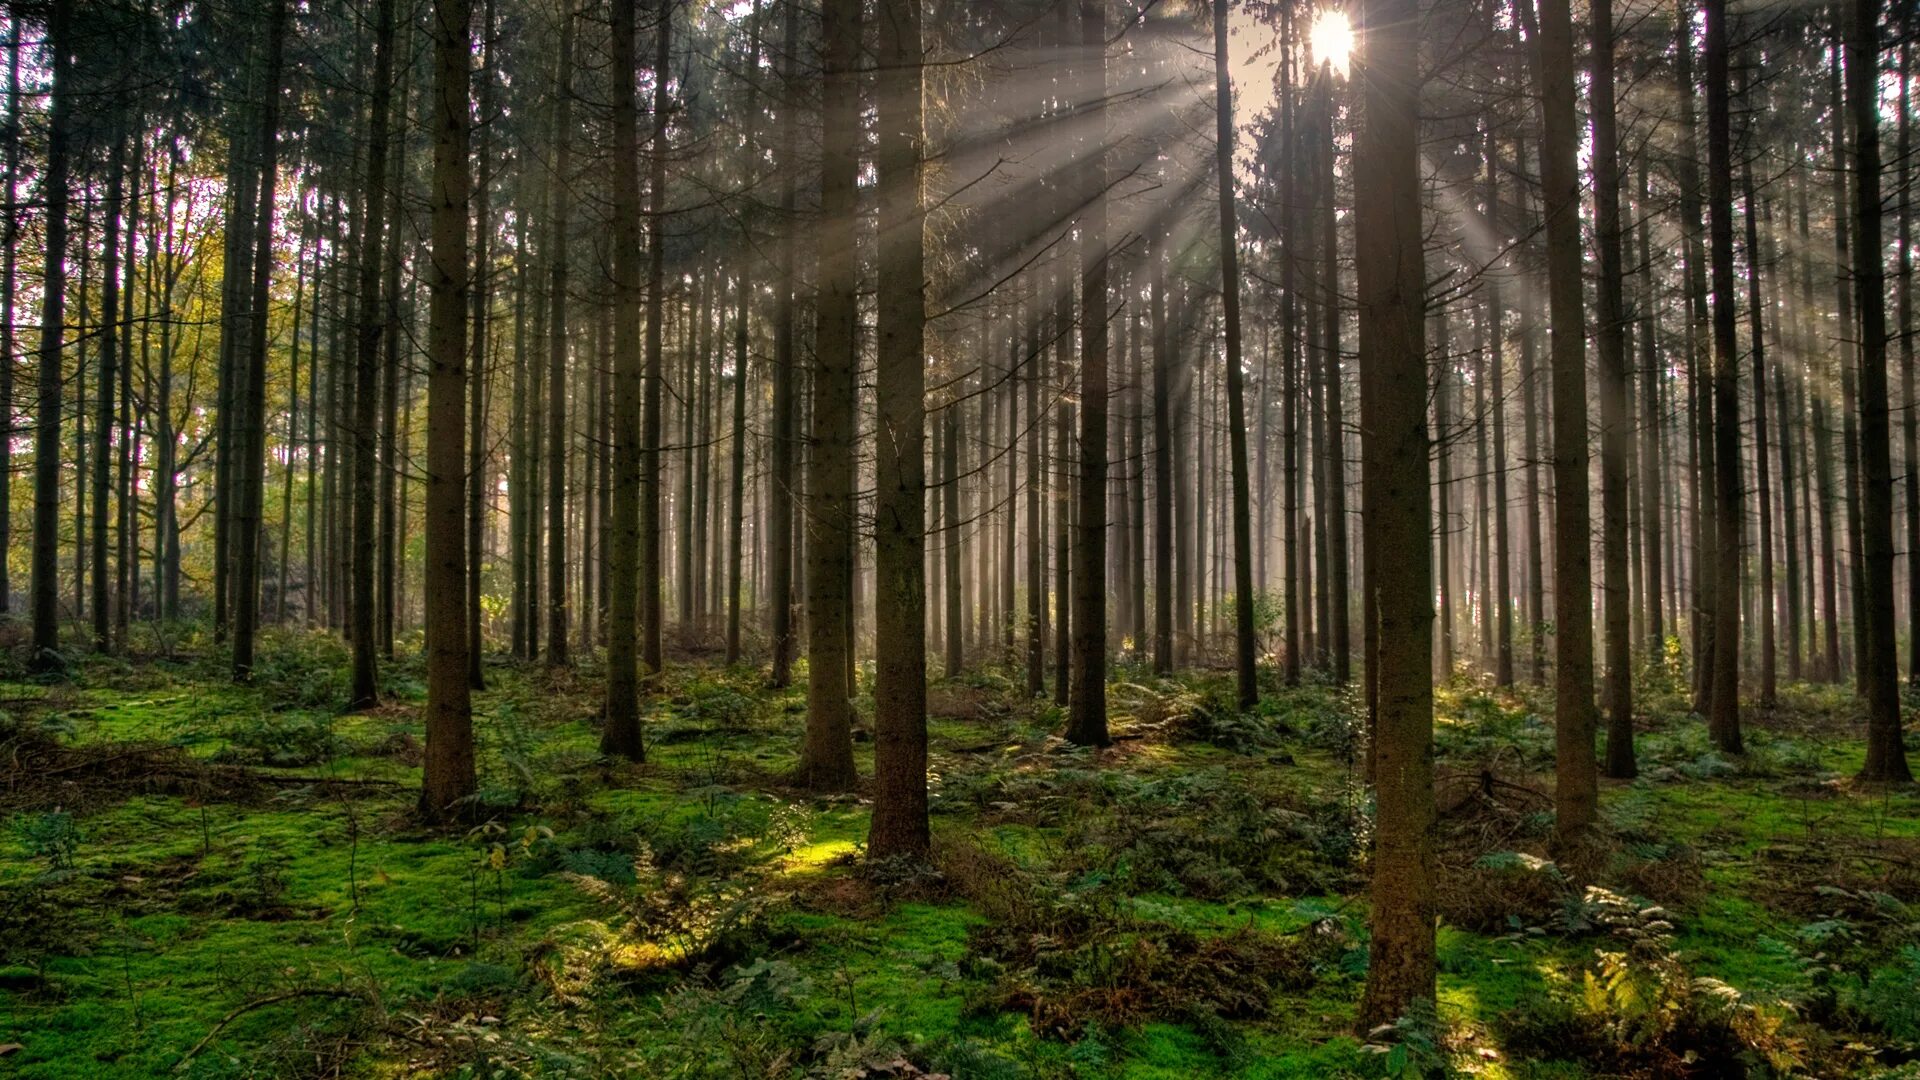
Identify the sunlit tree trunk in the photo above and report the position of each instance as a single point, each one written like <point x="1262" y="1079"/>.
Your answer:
<point x="827" y="756"/>
<point x="1397" y="517"/>
<point x="1576" y="792"/>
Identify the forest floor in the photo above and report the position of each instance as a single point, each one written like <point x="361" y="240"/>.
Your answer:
<point x="203" y="880"/>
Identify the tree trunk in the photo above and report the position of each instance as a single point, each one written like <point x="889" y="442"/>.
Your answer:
<point x="252" y="462"/>
<point x="480" y="492"/>
<point x="780" y="484"/>
<point x="1087" y="697"/>
<point x="651" y="614"/>
<point x="447" y="777"/>
<point x="899" y="828"/>
<point x="1576" y="791"/>
<point x="365" y="690"/>
<point x="1248" y="686"/>
<point x="622" y="736"/>
<point x="1398" y="514"/>
<point x="1723" y="721"/>
<point x="557" y="620"/>
<point x="44" y="586"/>
<point x="103" y="397"/>
<point x="1616" y="431"/>
<point x="1886" y="754"/>
<point x="827" y="758"/>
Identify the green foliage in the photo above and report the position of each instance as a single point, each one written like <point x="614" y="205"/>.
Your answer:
<point x="51" y="836"/>
<point x="281" y="739"/>
<point x="1641" y="1004"/>
<point x="1412" y="1047"/>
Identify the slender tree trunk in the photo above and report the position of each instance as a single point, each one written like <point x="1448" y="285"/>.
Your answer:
<point x="899" y="827"/>
<point x="780" y="485"/>
<point x="1652" y="379"/>
<point x="827" y="757"/>
<point x="1248" y="686"/>
<point x="1397" y="519"/>
<point x="1723" y="721"/>
<point x="1503" y="572"/>
<point x="1616" y="433"/>
<point x="1576" y="791"/>
<point x="1087" y="699"/>
<point x="1903" y="329"/>
<point x="1756" y="310"/>
<point x="557" y="620"/>
<point x="651" y="615"/>
<point x="622" y="736"/>
<point x="1163" y="474"/>
<point x="9" y="265"/>
<point x="447" y="777"/>
<point x="479" y="477"/>
<point x="1886" y="753"/>
<point x="252" y="462"/>
<point x="103" y="397"/>
<point x="365" y="689"/>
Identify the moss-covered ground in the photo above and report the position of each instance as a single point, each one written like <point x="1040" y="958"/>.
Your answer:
<point x="207" y="880"/>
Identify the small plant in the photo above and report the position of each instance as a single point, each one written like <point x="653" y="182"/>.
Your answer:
<point x="51" y="836"/>
<point x="1412" y="1046"/>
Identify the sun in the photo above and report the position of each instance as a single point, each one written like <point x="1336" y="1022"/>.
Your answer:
<point x="1332" y="39"/>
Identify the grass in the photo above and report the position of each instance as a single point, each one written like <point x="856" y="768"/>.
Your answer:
<point x="696" y="916"/>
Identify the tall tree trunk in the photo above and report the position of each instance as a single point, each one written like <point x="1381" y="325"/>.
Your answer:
<point x="1576" y="789"/>
<point x="9" y="265"/>
<point x="1652" y="379"/>
<point x="1503" y="570"/>
<point x="479" y="478"/>
<point x="1756" y="311"/>
<point x="1723" y="721"/>
<point x="1398" y="514"/>
<point x="622" y="736"/>
<point x="1087" y="698"/>
<point x="557" y="620"/>
<point x="447" y="777"/>
<point x="1903" y="329"/>
<point x="365" y="689"/>
<point x="780" y="485"/>
<point x="1886" y="753"/>
<point x="103" y="397"/>
<point x="1616" y="432"/>
<point x="651" y="615"/>
<point x="1163" y="474"/>
<point x="1248" y="686"/>
<point x="252" y="461"/>
<point x="1699" y="403"/>
<point x="826" y="762"/>
<point x="900" y="827"/>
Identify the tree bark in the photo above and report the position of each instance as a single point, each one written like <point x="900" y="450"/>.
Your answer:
<point x="1576" y="789"/>
<point x="1723" y="721"/>
<point x="447" y="776"/>
<point x="1886" y="754"/>
<point x="899" y="828"/>
<point x="1387" y="243"/>
<point x="364" y="692"/>
<point x="1087" y="697"/>
<point x="826" y="762"/>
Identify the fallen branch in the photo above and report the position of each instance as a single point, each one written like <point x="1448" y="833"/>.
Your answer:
<point x="257" y="1003"/>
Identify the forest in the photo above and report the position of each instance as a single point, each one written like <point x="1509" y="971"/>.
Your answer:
<point x="999" y="540"/>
